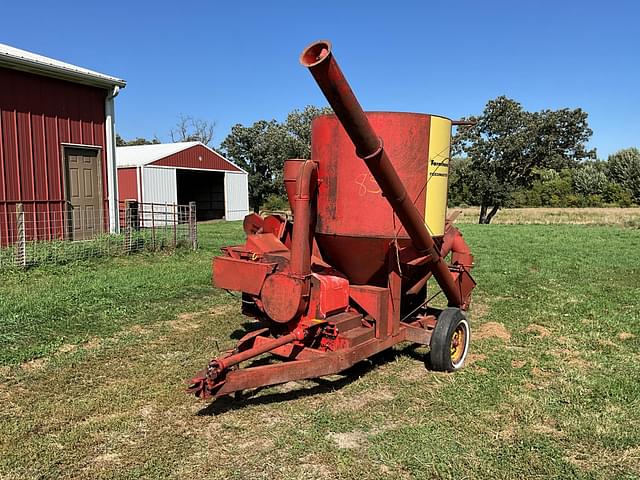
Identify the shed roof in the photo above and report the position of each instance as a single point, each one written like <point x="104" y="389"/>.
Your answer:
<point x="141" y="155"/>
<point x="18" y="59"/>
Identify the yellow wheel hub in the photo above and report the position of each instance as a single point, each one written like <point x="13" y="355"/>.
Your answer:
<point x="458" y="344"/>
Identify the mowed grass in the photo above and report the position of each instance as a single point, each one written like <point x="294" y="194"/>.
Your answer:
<point x="44" y="309"/>
<point x="95" y="356"/>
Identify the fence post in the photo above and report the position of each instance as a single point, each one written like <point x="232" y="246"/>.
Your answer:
<point x="21" y="252"/>
<point x="130" y="222"/>
<point x="153" y="229"/>
<point x="164" y="224"/>
<point x="193" y="226"/>
<point x="175" y="225"/>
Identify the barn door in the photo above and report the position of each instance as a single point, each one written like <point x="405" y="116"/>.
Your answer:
<point x="83" y="185"/>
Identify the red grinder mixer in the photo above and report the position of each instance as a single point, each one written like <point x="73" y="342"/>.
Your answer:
<point x="348" y="278"/>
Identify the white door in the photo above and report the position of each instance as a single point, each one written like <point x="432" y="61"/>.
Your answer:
<point x="159" y="195"/>
<point x="236" y="195"/>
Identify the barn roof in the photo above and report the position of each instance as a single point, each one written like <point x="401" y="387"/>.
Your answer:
<point x="141" y="155"/>
<point x="17" y="59"/>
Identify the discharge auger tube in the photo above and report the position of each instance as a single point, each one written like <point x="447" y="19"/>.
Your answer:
<point x="319" y="59"/>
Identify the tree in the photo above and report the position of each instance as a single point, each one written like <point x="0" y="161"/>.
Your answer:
<point x="506" y="143"/>
<point x="624" y="169"/>
<point x="298" y="127"/>
<point x="259" y="150"/>
<point x="121" y="142"/>
<point x="589" y="180"/>
<point x="262" y="148"/>
<point x="191" y="129"/>
<point x="459" y="180"/>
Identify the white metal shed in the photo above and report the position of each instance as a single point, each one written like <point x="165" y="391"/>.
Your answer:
<point x="170" y="173"/>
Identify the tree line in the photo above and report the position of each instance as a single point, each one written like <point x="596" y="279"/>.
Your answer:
<point x="510" y="157"/>
<point x="614" y="182"/>
<point x="504" y="157"/>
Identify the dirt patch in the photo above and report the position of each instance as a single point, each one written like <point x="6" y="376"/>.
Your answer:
<point x="491" y="330"/>
<point x="579" y="363"/>
<point x="190" y="315"/>
<point x="538" y="372"/>
<point x="479" y="309"/>
<point x="66" y="348"/>
<point x="508" y="433"/>
<point x="295" y="385"/>
<point x="34" y="365"/>
<point x="541" y="381"/>
<point x="416" y="371"/>
<point x="475" y="357"/>
<point x="548" y="429"/>
<point x="581" y="460"/>
<point x="539" y="330"/>
<point x="106" y="458"/>
<point x="625" y="336"/>
<point x="313" y="466"/>
<point x="358" y="401"/>
<point x="92" y="344"/>
<point x="349" y="440"/>
<point x="139" y="329"/>
<point x="380" y="395"/>
<point x="38" y="363"/>
<point x="187" y="321"/>
<point x="257" y="444"/>
<point x="570" y="357"/>
<point x="518" y="363"/>
<point x="627" y="460"/>
<point x="147" y="411"/>
<point x="562" y="352"/>
<point x="182" y="324"/>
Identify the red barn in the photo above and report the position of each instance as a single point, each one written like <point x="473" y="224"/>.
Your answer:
<point x="170" y="173"/>
<point x="57" y="148"/>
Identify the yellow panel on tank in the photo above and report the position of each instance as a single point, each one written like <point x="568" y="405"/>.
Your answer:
<point x="438" y="175"/>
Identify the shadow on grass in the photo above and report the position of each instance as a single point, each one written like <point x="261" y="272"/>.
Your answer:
<point x="244" y="329"/>
<point x="323" y="385"/>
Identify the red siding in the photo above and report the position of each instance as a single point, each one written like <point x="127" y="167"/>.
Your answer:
<point x="197" y="157"/>
<point x="37" y="114"/>
<point x="128" y="184"/>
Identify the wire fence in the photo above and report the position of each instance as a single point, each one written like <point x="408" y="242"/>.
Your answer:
<point x="59" y="234"/>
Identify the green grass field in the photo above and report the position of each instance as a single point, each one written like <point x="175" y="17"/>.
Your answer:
<point x="94" y="356"/>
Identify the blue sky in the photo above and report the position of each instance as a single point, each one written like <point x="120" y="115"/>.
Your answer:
<point x="237" y="62"/>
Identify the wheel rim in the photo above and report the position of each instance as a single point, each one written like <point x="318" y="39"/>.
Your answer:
<point x="459" y="344"/>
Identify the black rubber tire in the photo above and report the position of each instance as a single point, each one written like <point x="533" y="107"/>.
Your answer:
<point x="439" y="358"/>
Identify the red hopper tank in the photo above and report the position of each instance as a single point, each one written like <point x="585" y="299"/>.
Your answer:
<point x="355" y="223"/>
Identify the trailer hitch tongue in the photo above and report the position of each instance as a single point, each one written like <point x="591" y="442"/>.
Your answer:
<point x="209" y="381"/>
